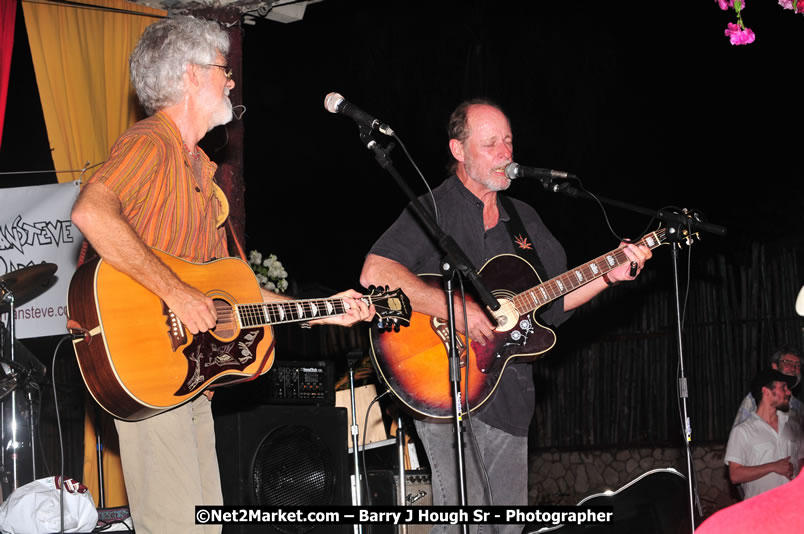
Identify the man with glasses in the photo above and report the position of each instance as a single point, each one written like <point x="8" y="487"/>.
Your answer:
<point x="786" y="360"/>
<point x="227" y="71"/>
<point x="157" y="190"/>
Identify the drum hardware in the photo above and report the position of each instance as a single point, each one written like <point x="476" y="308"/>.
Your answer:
<point x="20" y="375"/>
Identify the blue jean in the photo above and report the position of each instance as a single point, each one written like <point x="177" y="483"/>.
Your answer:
<point x="505" y="458"/>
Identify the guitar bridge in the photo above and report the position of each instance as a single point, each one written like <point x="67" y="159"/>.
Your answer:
<point x="175" y="331"/>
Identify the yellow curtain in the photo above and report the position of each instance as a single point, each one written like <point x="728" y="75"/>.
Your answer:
<point x="80" y="56"/>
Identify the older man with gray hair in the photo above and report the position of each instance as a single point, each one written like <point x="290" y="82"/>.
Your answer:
<point x="157" y="190"/>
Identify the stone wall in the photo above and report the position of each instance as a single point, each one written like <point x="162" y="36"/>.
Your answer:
<point x="564" y="477"/>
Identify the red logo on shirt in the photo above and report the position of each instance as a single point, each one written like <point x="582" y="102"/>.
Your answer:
<point x="523" y="243"/>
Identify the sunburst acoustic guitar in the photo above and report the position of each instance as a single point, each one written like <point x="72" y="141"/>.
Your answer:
<point x="413" y="362"/>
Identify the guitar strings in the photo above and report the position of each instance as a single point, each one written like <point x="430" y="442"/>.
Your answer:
<point x="275" y="312"/>
<point x="291" y="311"/>
<point x="522" y="301"/>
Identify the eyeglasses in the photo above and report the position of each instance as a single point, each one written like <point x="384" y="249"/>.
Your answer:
<point x="227" y="70"/>
<point x="791" y="363"/>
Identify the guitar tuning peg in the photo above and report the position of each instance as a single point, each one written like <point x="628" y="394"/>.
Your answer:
<point x="371" y="288"/>
<point x="396" y="327"/>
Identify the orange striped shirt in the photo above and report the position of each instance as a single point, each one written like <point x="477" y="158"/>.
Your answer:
<point x="151" y="173"/>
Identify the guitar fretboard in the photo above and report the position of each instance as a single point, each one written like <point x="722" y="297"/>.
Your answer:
<point x="562" y="284"/>
<point x="291" y="311"/>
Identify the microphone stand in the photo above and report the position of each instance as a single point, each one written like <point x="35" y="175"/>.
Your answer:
<point x="455" y="262"/>
<point x="680" y="227"/>
<point x="355" y="431"/>
<point x="687" y="219"/>
<point x="401" y="487"/>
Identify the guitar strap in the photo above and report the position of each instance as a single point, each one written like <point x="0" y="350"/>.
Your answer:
<point x="231" y="229"/>
<point x="86" y="254"/>
<point x="523" y="244"/>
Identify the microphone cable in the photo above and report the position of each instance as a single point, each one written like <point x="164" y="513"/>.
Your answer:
<point x="419" y="172"/>
<point x="58" y="428"/>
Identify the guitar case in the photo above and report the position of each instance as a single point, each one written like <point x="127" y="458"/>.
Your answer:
<point x="656" y="502"/>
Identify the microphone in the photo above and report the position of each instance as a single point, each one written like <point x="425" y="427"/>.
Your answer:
<point x="336" y="103"/>
<point x="550" y="179"/>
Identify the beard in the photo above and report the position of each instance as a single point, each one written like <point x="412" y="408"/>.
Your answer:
<point x="489" y="181"/>
<point x="224" y="114"/>
<point x="784" y="407"/>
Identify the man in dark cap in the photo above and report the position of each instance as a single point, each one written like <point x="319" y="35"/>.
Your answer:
<point x="764" y="451"/>
<point x="787" y="360"/>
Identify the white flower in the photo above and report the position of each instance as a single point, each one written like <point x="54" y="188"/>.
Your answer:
<point x="270" y="272"/>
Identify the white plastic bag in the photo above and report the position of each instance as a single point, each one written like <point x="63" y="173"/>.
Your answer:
<point x="35" y="508"/>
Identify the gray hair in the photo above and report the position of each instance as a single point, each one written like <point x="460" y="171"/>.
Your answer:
<point x="165" y="49"/>
<point x="785" y="349"/>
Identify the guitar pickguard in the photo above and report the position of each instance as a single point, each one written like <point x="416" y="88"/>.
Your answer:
<point x="208" y="357"/>
<point x="505" y="344"/>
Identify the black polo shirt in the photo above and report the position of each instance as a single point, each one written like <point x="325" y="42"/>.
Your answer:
<point x="460" y="214"/>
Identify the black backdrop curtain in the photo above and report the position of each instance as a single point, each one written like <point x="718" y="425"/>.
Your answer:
<point x="612" y="378"/>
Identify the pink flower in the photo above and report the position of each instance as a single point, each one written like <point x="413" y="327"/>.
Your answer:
<point x="725" y="4"/>
<point x="739" y="36"/>
<point x="788" y="4"/>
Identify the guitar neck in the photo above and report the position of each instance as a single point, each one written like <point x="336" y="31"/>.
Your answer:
<point x="290" y="311"/>
<point x="557" y="287"/>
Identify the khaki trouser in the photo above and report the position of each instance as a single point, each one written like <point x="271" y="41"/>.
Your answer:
<point x="170" y="466"/>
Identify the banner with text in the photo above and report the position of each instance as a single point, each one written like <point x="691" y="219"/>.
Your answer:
<point x="35" y="228"/>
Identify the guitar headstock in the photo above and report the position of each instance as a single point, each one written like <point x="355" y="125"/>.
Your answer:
<point x="393" y="307"/>
<point x="688" y="238"/>
<point x="669" y="236"/>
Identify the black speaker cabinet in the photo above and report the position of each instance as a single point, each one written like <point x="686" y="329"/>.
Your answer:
<point x="278" y="455"/>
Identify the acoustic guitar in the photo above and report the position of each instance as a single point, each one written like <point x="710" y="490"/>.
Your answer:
<point x="413" y="363"/>
<point x="138" y="360"/>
